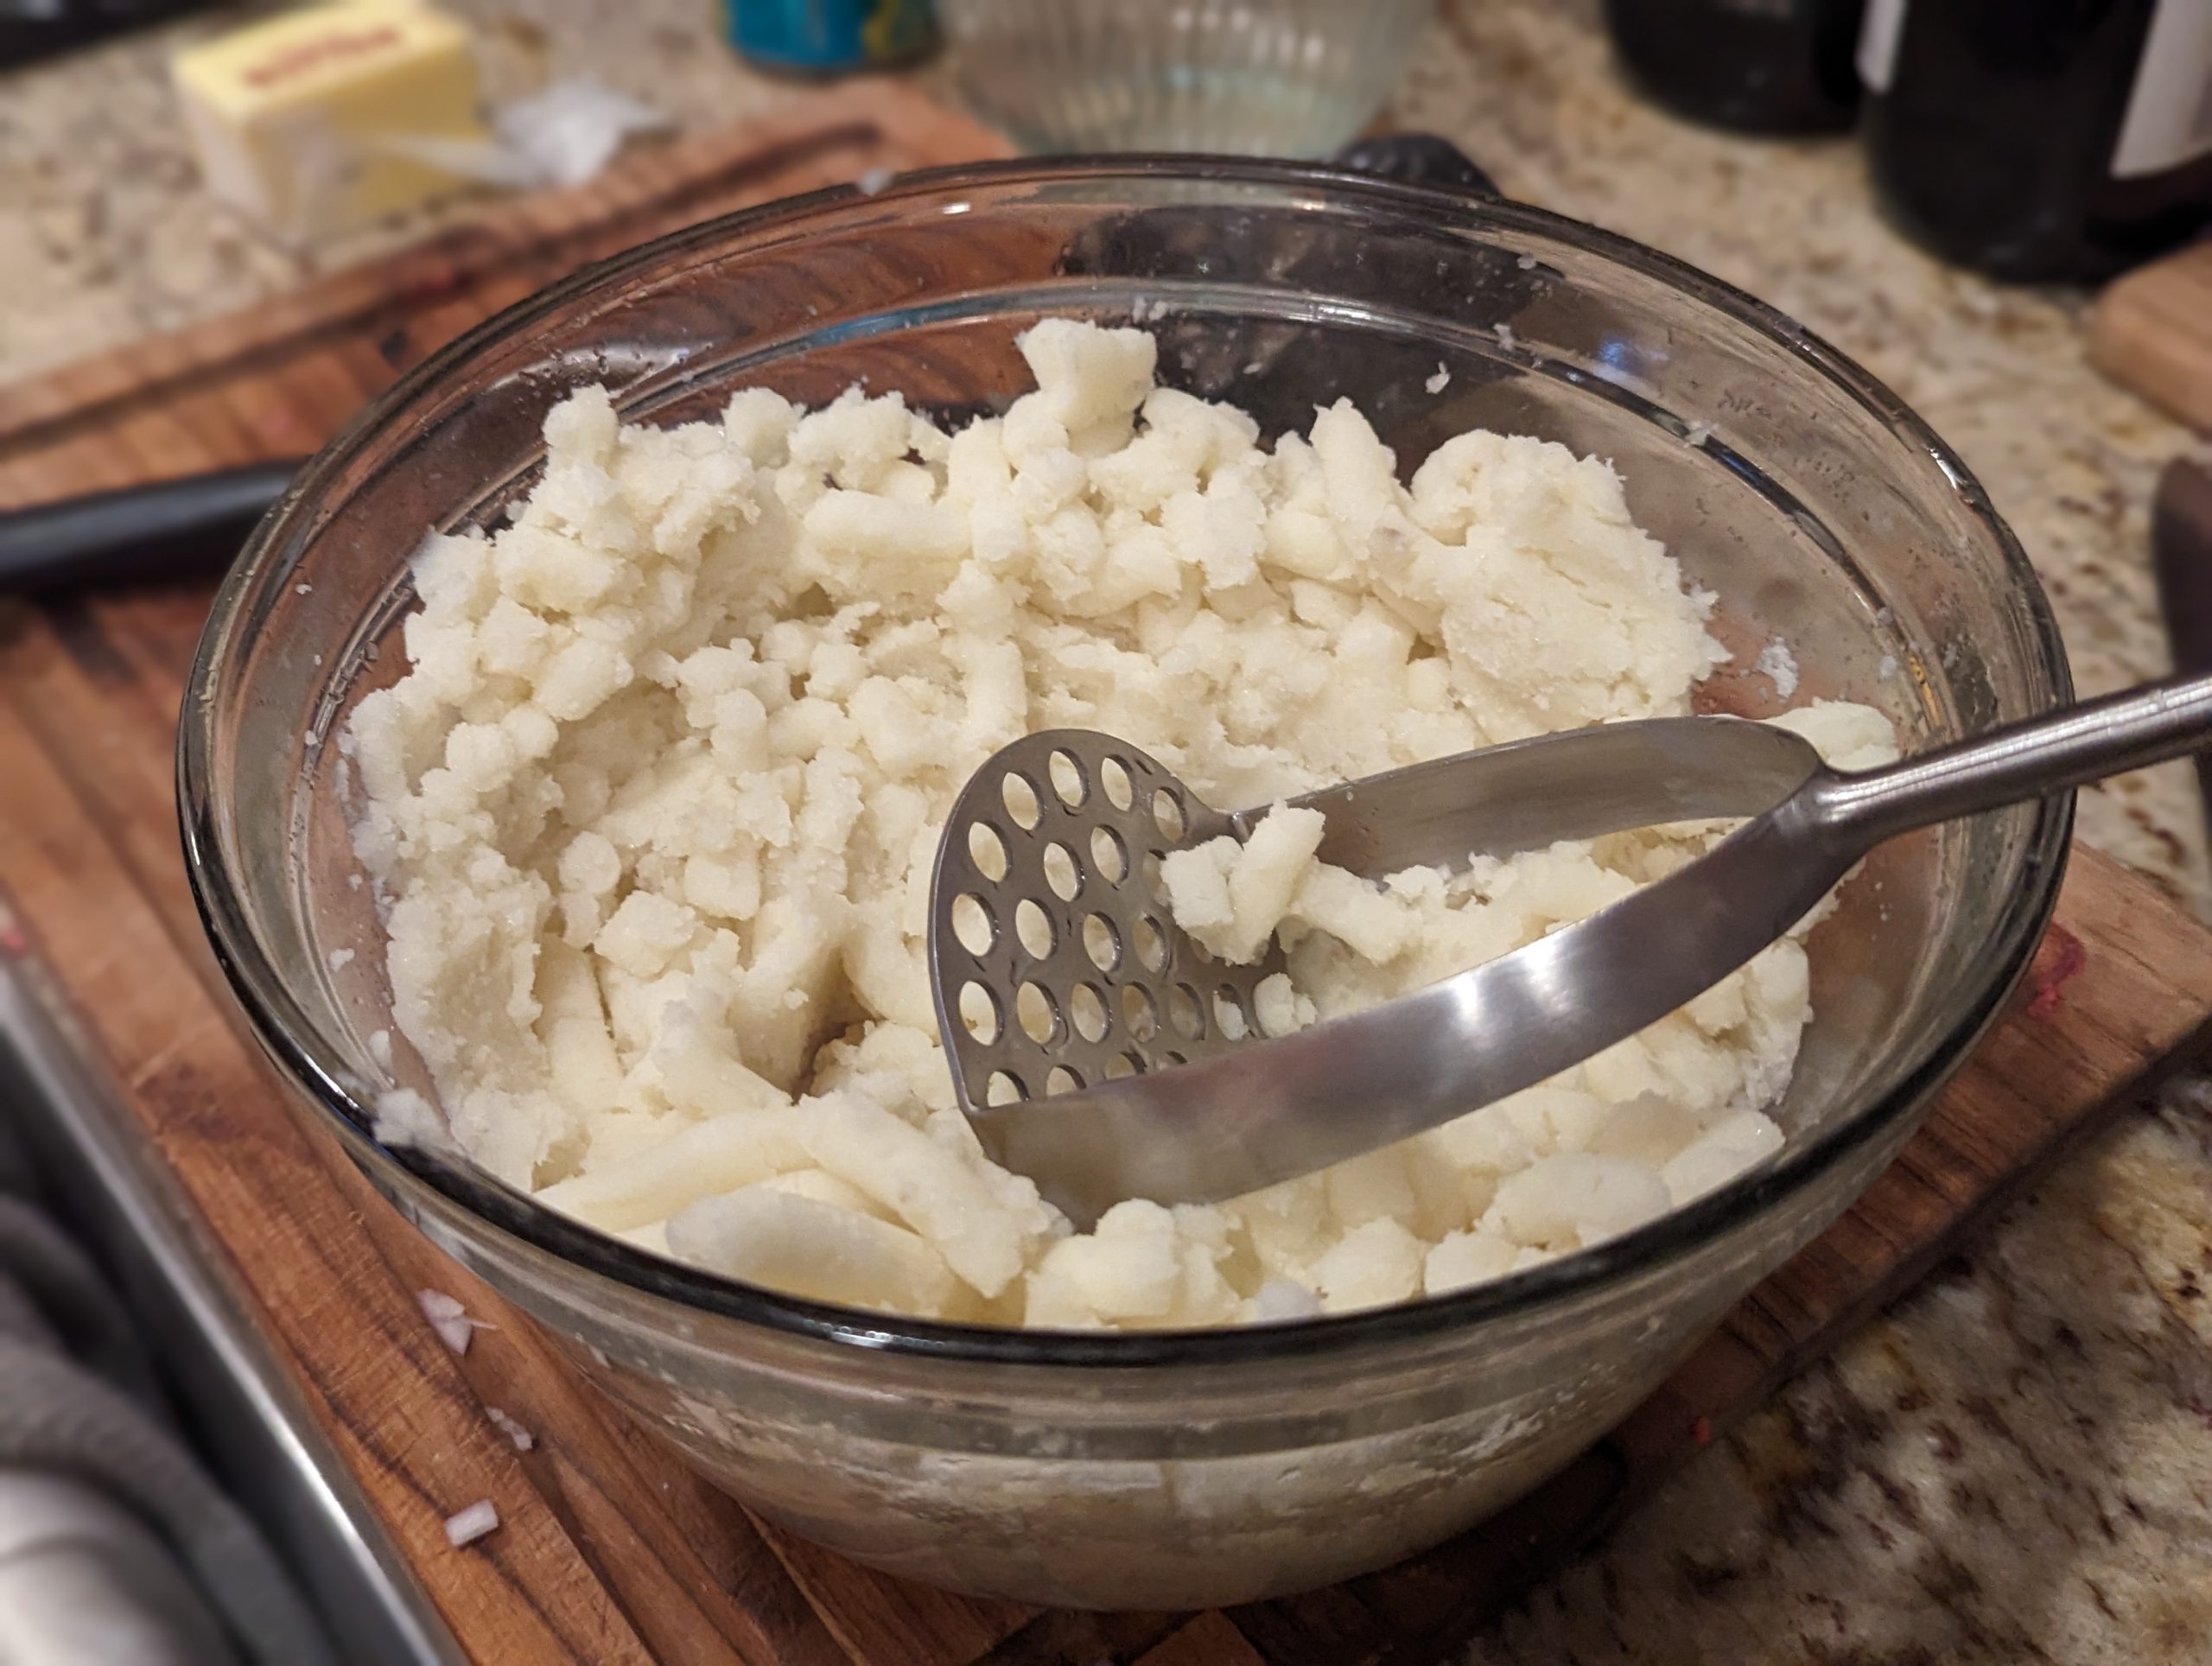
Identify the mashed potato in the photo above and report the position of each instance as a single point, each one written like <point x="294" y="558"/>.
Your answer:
<point x="653" y="815"/>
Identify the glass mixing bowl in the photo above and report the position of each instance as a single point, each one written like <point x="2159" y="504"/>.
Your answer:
<point x="1167" y="1470"/>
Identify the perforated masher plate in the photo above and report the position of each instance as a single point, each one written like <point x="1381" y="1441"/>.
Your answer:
<point x="1054" y="961"/>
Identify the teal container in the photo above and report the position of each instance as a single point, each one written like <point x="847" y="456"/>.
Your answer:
<point x="829" y="37"/>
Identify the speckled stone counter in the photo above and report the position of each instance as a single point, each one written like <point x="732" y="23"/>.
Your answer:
<point x="2016" y="1464"/>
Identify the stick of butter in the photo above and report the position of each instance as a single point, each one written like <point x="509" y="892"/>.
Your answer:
<point x="326" y="116"/>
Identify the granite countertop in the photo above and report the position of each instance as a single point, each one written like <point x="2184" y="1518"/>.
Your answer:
<point x="2014" y="1464"/>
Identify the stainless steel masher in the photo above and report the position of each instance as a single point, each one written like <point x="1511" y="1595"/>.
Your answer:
<point x="1099" y="1049"/>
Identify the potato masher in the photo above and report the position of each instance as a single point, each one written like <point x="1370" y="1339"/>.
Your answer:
<point x="1097" y="1049"/>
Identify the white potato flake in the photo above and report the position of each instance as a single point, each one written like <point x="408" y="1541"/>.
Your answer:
<point x="1232" y="896"/>
<point x="1280" y="1299"/>
<point x="945" y="1199"/>
<point x="798" y="1243"/>
<point x="1463" y="1258"/>
<point x="652" y="813"/>
<point x="1572" y="1198"/>
<point x="1779" y="665"/>
<point x="1279" y="1007"/>
<point x="1371" y="1265"/>
<point x="700" y="1159"/>
<point x="1717" y="1156"/>
<point x="1850" y="737"/>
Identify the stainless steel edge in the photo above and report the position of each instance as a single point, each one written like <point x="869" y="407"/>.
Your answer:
<point x="253" y="1425"/>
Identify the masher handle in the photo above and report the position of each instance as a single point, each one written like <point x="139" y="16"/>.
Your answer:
<point x="2064" y="748"/>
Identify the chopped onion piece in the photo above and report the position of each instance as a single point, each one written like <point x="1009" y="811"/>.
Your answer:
<point x="468" y="1525"/>
<point x="512" y="1428"/>
<point x="448" y="1317"/>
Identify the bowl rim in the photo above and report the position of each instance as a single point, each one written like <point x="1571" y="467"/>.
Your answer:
<point x="285" y="1033"/>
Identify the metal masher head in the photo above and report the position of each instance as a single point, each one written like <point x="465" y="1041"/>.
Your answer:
<point x="1055" y="963"/>
<point x="1113" y="1068"/>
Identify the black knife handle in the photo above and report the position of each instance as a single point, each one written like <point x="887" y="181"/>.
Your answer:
<point x="138" y="531"/>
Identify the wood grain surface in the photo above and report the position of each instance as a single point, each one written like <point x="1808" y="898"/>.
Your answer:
<point x="608" y="1550"/>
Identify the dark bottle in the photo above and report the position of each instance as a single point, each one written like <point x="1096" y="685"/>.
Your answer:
<point x="2041" y="139"/>
<point x="1757" y="65"/>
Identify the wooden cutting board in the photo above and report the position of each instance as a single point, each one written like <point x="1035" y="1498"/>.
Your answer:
<point x="608" y="1550"/>
<point x="2152" y="331"/>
